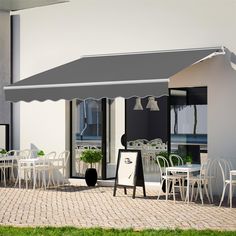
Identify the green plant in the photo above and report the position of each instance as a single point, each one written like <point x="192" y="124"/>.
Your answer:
<point x="40" y="153"/>
<point x="188" y="158"/>
<point x="91" y="156"/>
<point x="163" y="154"/>
<point x="3" y="151"/>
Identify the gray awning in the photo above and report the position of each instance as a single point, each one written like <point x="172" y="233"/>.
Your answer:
<point x="123" y="75"/>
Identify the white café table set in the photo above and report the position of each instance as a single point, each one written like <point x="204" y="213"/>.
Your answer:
<point x="42" y="169"/>
<point x="188" y="169"/>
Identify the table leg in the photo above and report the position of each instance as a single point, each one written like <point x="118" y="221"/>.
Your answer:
<point x="166" y="185"/>
<point x="187" y="192"/>
<point x="230" y="191"/>
<point x="19" y="175"/>
<point x="34" y="177"/>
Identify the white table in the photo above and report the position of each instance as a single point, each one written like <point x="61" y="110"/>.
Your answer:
<point x="9" y="158"/>
<point x="232" y="173"/>
<point x="183" y="169"/>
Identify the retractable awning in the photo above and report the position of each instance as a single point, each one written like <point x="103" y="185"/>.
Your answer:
<point x="120" y="75"/>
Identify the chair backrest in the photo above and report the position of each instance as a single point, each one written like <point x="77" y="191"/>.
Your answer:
<point x="175" y="160"/>
<point x="225" y="167"/>
<point x="65" y="156"/>
<point x="12" y="153"/>
<point x="162" y="163"/>
<point x="205" y="171"/>
<point x="19" y="153"/>
<point x="25" y="153"/>
<point x="51" y="155"/>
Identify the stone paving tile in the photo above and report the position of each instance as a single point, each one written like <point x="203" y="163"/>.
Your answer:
<point x="81" y="206"/>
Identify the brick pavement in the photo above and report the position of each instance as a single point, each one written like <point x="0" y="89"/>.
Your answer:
<point x="81" y="206"/>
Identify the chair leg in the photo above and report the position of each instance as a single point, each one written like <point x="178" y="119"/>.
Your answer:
<point x="206" y="190"/>
<point x="223" y="194"/>
<point x="180" y="188"/>
<point x="159" y="191"/>
<point x="192" y="186"/>
<point x="197" y="192"/>
<point x="210" y="189"/>
<point x="53" y="181"/>
<point x="173" y="186"/>
<point x="26" y="179"/>
<point x="4" y="177"/>
<point x="200" y="191"/>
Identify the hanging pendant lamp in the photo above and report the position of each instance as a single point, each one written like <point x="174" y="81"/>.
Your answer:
<point x="154" y="106"/>
<point x="138" y="105"/>
<point x="150" y="102"/>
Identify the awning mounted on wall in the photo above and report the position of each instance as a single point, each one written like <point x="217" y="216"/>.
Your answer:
<point x="121" y="75"/>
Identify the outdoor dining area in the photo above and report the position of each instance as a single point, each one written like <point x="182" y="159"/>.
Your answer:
<point x="191" y="181"/>
<point x="33" y="167"/>
<point x="179" y="176"/>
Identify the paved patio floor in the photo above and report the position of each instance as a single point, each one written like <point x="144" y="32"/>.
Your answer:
<point x="81" y="206"/>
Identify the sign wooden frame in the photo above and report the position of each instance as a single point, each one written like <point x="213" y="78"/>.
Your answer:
<point x="137" y="175"/>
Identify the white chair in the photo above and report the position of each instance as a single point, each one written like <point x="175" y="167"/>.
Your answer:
<point x="4" y="165"/>
<point x="44" y="167"/>
<point x="25" y="170"/>
<point x="176" y="160"/>
<point x="20" y="154"/>
<point x="60" y="165"/>
<point x="13" y="153"/>
<point x="225" y="167"/>
<point x="163" y="164"/>
<point x="202" y="182"/>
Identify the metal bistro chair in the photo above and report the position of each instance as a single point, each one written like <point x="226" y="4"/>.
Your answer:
<point x="226" y="167"/>
<point x="163" y="164"/>
<point x="4" y="165"/>
<point x="176" y="160"/>
<point x="202" y="182"/>
<point x="59" y="166"/>
<point x="43" y="167"/>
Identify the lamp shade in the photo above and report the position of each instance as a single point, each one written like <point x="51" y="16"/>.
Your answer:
<point x="150" y="101"/>
<point x="138" y="105"/>
<point x="154" y="106"/>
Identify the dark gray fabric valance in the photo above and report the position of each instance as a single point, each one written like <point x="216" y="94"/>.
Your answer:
<point x="125" y="75"/>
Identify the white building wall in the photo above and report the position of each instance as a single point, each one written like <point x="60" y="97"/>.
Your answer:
<point x="54" y="35"/>
<point x="220" y="79"/>
<point x="117" y="126"/>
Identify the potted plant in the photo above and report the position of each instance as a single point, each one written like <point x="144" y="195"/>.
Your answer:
<point x="91" y="156"/>
<point x="188" y="159"/>
<point x="3" y="152"/>
<point x="40" y="153"/>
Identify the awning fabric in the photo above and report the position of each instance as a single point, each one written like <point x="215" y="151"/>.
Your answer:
<point x="122" y="75"/>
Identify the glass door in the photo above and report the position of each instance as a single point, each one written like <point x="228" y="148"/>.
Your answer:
<point x="87" y="133"/>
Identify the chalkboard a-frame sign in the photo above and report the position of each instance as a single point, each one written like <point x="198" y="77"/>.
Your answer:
<point x="129" y="171"/>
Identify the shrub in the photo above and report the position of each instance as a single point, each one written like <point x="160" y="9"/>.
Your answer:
<point x="91" y="156"/>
